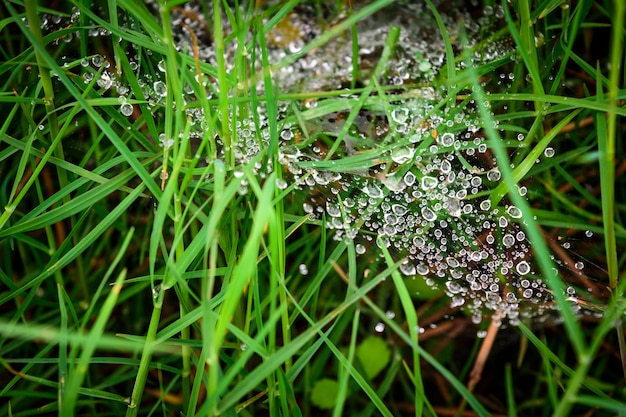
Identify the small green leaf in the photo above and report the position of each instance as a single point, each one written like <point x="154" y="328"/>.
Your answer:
<point x="374" y="355"/>
<point x="324" y="393"/>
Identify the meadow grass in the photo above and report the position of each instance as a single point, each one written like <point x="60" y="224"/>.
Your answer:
<point x="157" y="259"/>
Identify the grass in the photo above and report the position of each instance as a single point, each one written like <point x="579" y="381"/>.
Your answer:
<point x="183" y="231"/>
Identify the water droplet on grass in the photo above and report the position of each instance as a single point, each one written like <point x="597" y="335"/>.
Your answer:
<point x="402" y="155"/>
<point x="425" y="66"/>
<point x="428" y="214"/>
<point x="281" y="183"/>
<point x="409" y="178"/>
<point x="400" y="115"/>
<point x="428" y="183"/>
<point x="126" y="109"/>
<point x="408" y="269"/>
<point x="447" y="139"/>
<point x="333" y="210"/>
<point x="494" y="175"/>
<point x="514" y="212"/>
<point x="160" y="89"/>
<point x="373" y="191"/>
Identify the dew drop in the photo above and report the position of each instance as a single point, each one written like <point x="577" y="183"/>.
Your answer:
<point x="373" y="191"/>
<point x="281" y="183"/>
<point x="428" y="214"/>
<point x="421" y="269"/>
<point x="494" y="175"/>
<point x="424" y="66"/>
<point x="400" y="115"/>
<point x="514" y="212"/>
<point x="453" y="287"/>
<point x="452" y="262"/>
<point x="549" y="152"/>
<point x="402" y="155"/>
<point x="409" y="178"/>
<point x="447" y="139"/>
<point x="303" y="269"/>
<point x="408" y="269"/>
<point x="399" y="209"/>
<point x="428" y="183"/>
<point x="333" y="210"/>
<point x="522" y="268"/>
<point x="508" y="240"/>
<point x="126" y="109"/>
<point x="286" y="134"/>
<point x="160" y="89"/>
<point x="452" y="206"/>
<point x="97" y="61"/>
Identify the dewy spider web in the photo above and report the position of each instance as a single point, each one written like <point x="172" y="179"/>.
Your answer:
<point x="413" y="170"/>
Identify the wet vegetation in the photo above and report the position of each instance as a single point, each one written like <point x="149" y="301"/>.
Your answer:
<point x="312" y="208"/>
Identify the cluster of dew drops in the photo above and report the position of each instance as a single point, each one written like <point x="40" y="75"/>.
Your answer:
<point x="426" y="195"/>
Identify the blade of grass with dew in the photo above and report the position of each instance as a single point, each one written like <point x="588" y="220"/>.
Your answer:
<point x="86" y="176"/>
<point x="51" y="336"/>
<point x="34" y="27"/>
<point x="554" y="358"/>
<point x="87" y="392"/>
<point x="411" y="319"/>
<point x="77" y="205"/>
<point x="276" y="228"/>
<point x="540" y="248"/>
<point x="244" y="269"/>
<point x="510" y="395"/>
<point x="182" y="262"/>
<point x="62" y="371"/>
<point x="102" y="124"/>
<point x="567" y="103"/>
<point x="253" y="347"/>
<point x="450" y="61"/>
<point x="612" y="315"/>
<point x="82" y="245"/>
<point x="328" y="35"/>
<point x="281" y="355"/>
<point x="343" y="374"/>
<point x="569" y="35"/>
<point x="347" y="364"/>
<point x="223" y="83"/>
<point x="458" y="385"/>
<point x="79" y="371"/>
<point x="525" y="41"/>
<point x="385" y="57"/>
<point x="607" y="145"/>
<point x="521" y="169"/>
